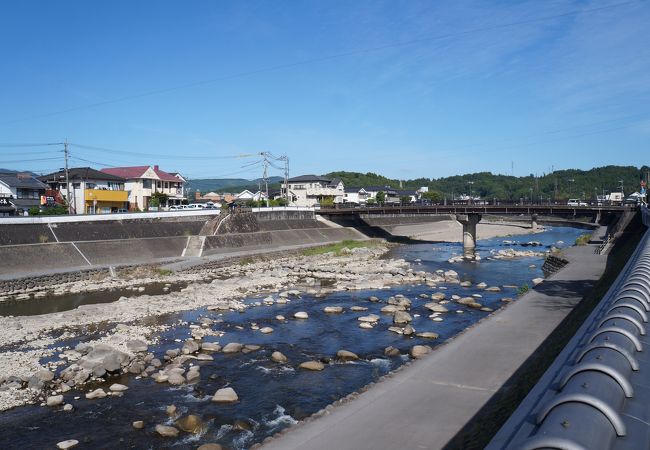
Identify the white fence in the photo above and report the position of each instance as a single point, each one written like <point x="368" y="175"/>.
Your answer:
<point x="107" y="217"/>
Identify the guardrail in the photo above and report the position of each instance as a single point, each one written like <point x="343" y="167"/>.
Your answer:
<point x="107" y="217"/>
<point x="595" y="395"/>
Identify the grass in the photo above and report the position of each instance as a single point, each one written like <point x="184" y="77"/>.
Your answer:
<point x="163" y="272"/>
<point x="337" y="248"/>
<point x="583" y="239"/>
<point x="523" y="289"/>
<point x="246" y="261"/>
<point x="478" y="433"/>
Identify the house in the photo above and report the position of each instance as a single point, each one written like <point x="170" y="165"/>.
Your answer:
<point x="91" y="191"/>
<point x="144" y="182"/>
<point x="412" y="194"/>
<point x="314" y="190"/>
<point x="390" y="195"/>
<point x="19" y="192"/>
<point x="247" y="195"/>
<point x="355" y="195"/>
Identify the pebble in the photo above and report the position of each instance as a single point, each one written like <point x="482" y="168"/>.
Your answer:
<point x="312" y="365"/>
<point x="301" y="315"/>
<point x="138" y="424"/>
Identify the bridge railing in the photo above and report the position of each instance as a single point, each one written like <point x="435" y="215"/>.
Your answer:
<point x="595" y="395"/>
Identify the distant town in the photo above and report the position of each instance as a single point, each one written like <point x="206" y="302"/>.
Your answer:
<point x="84" y="190"/>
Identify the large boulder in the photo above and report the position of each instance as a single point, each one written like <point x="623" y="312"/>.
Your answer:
<point x="312" y="365"/>
<point x="278" y="357"/>
<point x="232" y="347"/>
<point x="225" y="395"/>
<point x="418" y="351"/>
<point x="166" y="431"/>
<point x="345" y="355"/>
<point x="190" y="424"/>
<point x="402" y="317"/>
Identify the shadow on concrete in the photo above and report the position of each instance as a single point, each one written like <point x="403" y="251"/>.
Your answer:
<point x="480" y="429"/>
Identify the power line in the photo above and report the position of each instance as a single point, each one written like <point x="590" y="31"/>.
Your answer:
<point x="20" y="145"/>
<point x="159" y="156"/>
<point x="309" y="61"/>
<point x="28" y="160"/>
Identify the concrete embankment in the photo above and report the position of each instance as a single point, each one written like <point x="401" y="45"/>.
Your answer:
<point x="28" y="249"/>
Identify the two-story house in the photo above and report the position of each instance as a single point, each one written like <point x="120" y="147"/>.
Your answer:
<point x="391" y="196"/>
<point x="91" y="191"/>
<point x="355" y="195"/>
<point x="19" y="192"/>
<point x="314" y="190"/>
<point x="142" y="182"/>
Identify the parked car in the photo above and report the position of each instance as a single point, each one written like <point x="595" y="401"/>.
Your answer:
<point x="195" y="206"/>
<point x="576" y="202"/>
<point x="175" y="207"/>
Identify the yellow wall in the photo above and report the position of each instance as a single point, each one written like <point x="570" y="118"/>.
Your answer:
<point x="106" y="196"/>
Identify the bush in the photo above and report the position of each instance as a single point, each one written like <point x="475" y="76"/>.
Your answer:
<point x="523" y="289"/>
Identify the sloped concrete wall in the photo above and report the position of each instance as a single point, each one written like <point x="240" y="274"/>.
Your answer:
<point x="38" y="258"/>
<point x="130" y="251"/>
<point x="25" y="234"/>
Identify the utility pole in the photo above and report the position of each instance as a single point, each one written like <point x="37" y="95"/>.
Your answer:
<point x="265" y="177"/>
<point x="67" y="176"/>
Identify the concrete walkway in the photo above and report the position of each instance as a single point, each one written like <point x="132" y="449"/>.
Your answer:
<point x="427" y="403"/>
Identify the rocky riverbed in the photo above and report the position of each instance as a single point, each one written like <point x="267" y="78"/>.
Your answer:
<point x="238" y="352"/>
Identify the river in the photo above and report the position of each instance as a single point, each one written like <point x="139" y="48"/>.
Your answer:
<point x="273" y="396"/>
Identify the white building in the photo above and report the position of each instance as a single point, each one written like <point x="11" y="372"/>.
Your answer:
<point x="355" y="195"/>
<point x="313" y="190"/>
<point x="91" y="191"/>
<point x="247" y="195"/>
<point x="142" y="182"/>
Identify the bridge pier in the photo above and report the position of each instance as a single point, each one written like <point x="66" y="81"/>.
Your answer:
<point x="533" y="222"/>
<point x="469" y="222"/>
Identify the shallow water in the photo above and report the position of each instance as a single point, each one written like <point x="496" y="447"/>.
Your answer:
<point x="273" y="396"/>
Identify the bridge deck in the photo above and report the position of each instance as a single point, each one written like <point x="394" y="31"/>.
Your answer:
<point x="563" y="210"/>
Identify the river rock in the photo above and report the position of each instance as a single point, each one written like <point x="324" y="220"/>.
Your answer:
<point x="210" y="446"/>
<point x="333" y="309"/>
<point x="402" y="317"/>
<point x="232" y="347"/>
<point x="280" y="317"/>
<point x="138" y="424"/>
<point x="418" y="351"/>
<point x="408" y="330"/>
<point x="68" y="407"/>
<point x="370" y="318"/>
<point x="137" y="345"/>
<point x="537" y="281"/>
<point x="175" y="379"/>
<point x="210" y="347"/>
<point x="438" y="296"/>
<point x="373" y="299"/>
<point x="312" y="365"/>
<point x="266" y="330"/>
<point x="70" y="443"/>
<point x="278" y="357"/>
<point x="166" y="431"/>
<point x="345" y="355"/>
<point x="391" y="351"/>
<point x="171" y="410"/>
<point x="434" y="307"/>
<point x="486" y="309"/>
<point x="97" y="393"/>
<point x="44" y="375"/>
<point x="225" y="395"/>
<point x="366" y="325"/>
<point x="190" y="424"/>
<point x="466" y="284"/>
<point x="190" y="346"/>
<point x="116" y="387"/>
<point x="301" y="315"/>
<point x="481" y="285"/>
<point x="54" y="400"/>
<point x="428" y="335"/>
<point x="391" y="309"/>
<point x="358" y="308"/>
<point x="204" y="357"/>
<point x="493" y="289"/>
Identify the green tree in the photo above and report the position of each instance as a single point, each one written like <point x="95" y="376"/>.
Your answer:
<point x="158" y="199"/>
<point x="327" y="202"/>
<point x="380" y="197"/>
<point x="432" y="196"/>
<point x="405" y="199"/>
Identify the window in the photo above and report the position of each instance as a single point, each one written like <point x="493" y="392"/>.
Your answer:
<point x="91" y="186"/>
<point x="146" y="184"/>
<point x="27" y="193"/>
<point x="76" y="185"/>
<point x="159" y="184"/>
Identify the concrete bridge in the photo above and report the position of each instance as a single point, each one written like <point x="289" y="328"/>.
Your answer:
<point x="470" y="215"/>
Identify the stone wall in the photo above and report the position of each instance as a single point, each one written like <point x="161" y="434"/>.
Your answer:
<point x="25" y="234"/>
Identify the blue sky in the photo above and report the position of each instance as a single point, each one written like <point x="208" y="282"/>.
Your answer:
<point x="403" y="88"/>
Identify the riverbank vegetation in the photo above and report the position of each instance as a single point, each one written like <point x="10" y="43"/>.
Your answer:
<point x="339" y="248"/>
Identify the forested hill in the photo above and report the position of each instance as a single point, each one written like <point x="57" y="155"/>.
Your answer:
<point x="561" y="184"/>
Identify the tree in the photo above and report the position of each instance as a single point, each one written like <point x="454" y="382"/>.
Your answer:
<point x="327" y="202"/>
<point x="432" y="196"/>
<point x="380" y="197"/>
<point x="405" y="199"/>
<point x="158" y="198"/>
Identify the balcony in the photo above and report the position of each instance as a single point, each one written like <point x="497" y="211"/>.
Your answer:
<point x="321" y="191"/>
<point x="106" y="196"/>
